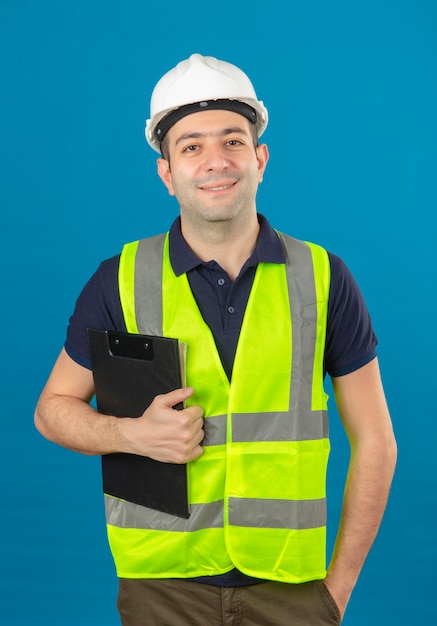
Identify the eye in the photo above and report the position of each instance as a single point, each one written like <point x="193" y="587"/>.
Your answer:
<point x="234" y="142"/>
<point x="191" y="148"/>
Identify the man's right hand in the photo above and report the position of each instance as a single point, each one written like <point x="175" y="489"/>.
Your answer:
<point x="164" y="433"/>
<point x="63" y="415"/>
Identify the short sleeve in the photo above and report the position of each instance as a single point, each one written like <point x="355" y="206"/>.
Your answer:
<point x="98" y="306"/>
<point x="350" y="341"/>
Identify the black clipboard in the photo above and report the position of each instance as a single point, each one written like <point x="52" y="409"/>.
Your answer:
<point x="129" y="371"/>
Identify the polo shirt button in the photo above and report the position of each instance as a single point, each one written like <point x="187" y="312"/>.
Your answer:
<point x="231" y="309"/>
<point x="221" y="281"/>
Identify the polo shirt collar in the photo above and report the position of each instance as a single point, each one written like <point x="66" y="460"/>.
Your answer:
<point x="268" y="248"/>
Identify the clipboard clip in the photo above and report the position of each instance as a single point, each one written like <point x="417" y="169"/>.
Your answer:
<point x="127" y="346"/>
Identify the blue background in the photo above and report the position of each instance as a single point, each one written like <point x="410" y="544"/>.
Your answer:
<point x="351" y="91"/>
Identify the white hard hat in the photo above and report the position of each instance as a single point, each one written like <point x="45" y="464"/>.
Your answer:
<point x="196" y="84"/>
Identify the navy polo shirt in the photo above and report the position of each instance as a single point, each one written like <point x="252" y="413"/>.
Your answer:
<point x="350" y="341"/>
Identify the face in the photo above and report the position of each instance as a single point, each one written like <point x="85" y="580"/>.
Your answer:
<point x="213" y="167"/>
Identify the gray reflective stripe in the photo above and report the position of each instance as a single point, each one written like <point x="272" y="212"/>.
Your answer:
<point x="303" y="306"/>
<point x="247" y="427"/>
<point x="249" y="512"/>
<point x="279" y="426"/>
<point x="148" y="285"/>
<point x="215" y="431"/>
<point x="124" y="514"/>
<point x="293" y="514"/>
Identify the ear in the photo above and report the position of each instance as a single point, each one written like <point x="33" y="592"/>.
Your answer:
<point x="165" y="174"/>
<point x="262" y="154"/>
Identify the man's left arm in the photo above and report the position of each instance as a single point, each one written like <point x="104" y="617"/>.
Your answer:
<point x="365" y="416"/>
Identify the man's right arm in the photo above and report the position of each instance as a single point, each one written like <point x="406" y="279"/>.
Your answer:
<point x="63" y="415"/>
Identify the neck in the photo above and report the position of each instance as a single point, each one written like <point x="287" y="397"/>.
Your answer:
<point x="230" y="246"/>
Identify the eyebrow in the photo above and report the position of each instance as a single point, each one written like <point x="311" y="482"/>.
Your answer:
<point x="222" y="133"/>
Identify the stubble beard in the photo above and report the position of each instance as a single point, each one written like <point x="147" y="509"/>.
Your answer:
<point x="207" y="214"/>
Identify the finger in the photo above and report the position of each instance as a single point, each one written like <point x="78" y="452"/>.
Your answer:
<point x="195" y="413"/>
<point x="194" y="454"/>
<point x="172" y="398"/>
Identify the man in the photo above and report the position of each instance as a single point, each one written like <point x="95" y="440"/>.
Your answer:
<point x="264" y="317"/>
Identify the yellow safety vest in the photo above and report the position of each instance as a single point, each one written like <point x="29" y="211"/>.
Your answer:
<point x="258" y="491"/>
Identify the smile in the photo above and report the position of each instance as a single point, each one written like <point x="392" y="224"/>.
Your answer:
<point x="218" y="187"/>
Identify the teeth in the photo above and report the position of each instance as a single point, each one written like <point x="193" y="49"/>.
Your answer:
<point x="218" y="188"/>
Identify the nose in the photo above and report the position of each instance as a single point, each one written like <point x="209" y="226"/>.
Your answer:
<point x="216" y="159"/>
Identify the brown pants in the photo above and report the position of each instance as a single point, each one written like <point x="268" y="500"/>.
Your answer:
<point x="181" y="603"/>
